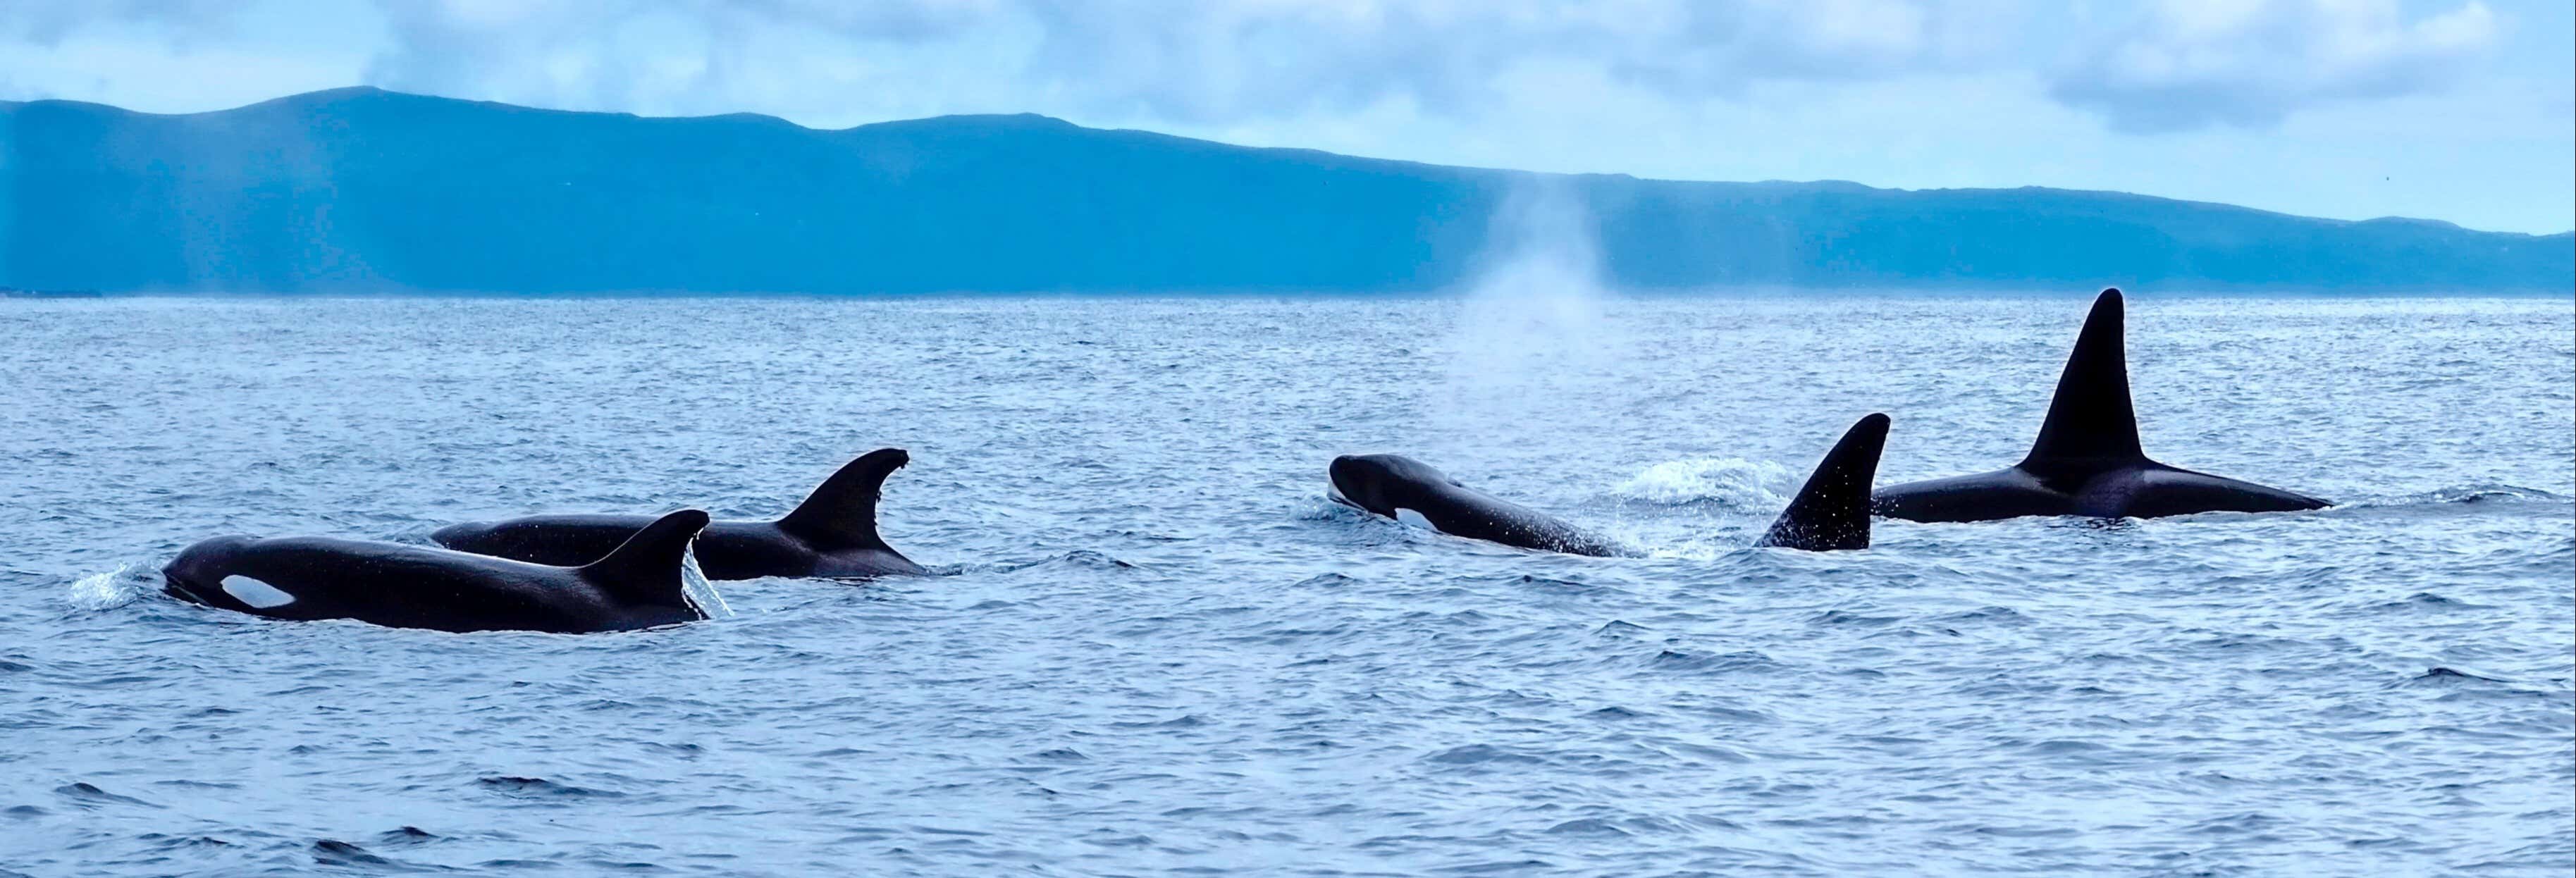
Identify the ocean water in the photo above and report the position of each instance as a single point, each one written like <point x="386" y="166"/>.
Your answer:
<point x="1160" y="650"/>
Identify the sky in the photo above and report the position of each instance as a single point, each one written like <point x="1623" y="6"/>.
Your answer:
<point x="2458" y="110"/>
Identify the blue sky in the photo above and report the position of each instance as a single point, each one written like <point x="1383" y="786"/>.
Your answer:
<point x="2461" y="110"/>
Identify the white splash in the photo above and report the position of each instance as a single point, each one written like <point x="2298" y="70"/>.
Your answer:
<point x="1727" y="481"/>
<point x="701" y="594"/>
<point x="109" y="590"/>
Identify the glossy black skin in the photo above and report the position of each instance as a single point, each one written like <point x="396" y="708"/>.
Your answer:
<point x="2088" y="460"/>
<point x="407" y="586"/>
<point x="1831" y="511"/>
<point x="2133" y="489"/>
<point x="1386" y="483"/>
<point x="728" y="550"/>
<point x="832" y="535"/>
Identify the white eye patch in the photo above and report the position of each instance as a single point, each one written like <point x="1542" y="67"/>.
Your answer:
<point x="1408" y="516"/>
<point x="259" y="595"/>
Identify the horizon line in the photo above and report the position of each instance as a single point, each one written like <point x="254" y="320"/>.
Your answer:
<point x="373" y="89"/>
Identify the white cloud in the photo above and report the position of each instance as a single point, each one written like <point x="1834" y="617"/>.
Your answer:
<point x="45" y="22"/>
<point x="2442" y="108"/>
<point x="812" y="60"/>
<point x="1188" y="61"/>
<point x="2192" y="63"/>
<point x="165" y="55"/>
<point x="2178" y="64"/>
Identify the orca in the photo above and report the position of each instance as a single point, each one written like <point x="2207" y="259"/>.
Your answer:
<point x="398" y="585"/>
<point x="1830" y="512"/>
<point x="2087" y="461"/>
<point x="833" y="534"/>
<point x="1413" y="492"/>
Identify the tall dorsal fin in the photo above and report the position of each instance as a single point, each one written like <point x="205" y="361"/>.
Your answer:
<point x="842" y="512"/>
<point x="2091" y="418"/>
<point x="1832" y="510"/>
<point x="646" y="568"/>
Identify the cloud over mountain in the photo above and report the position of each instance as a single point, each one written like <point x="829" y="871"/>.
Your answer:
<point x="2187" y="64"/>
<point x="2346" y="108"/>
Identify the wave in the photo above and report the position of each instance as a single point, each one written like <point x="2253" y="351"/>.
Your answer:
<point x="1078" y="559"/>
<point x="114" y="588"/>
<point x="700" y="593"/>
<point x="2492" y="493"/>
<point x="540" y="788"/>
<point x="2477" y="495"/>
<point x="1322" y="507"/>
<point x="1730" y="482"/>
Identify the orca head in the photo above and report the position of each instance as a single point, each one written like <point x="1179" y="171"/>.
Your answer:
<point x="1383" y="483"/>
<point x="199" y="572"/>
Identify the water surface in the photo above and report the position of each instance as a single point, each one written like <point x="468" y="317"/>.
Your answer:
<point x="1162" y="650"/>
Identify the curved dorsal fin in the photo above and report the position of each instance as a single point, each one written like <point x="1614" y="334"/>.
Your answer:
<point x="842" y="512"/>
<point x="646" y="568"/>
<point x="2091" y="418"/>
<point x="1832" y="510"/>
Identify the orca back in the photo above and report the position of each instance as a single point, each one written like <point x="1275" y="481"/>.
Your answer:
<point x="1393" y="485"/>
<point x="2087" y="460"/>
<point x="409" y="586"/>
<point x="832" y="533"/>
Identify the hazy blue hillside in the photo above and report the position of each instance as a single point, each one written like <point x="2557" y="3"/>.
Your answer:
<point x="366" y="189"/>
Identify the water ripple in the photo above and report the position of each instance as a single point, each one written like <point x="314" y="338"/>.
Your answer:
<point x="1157" y="649"/>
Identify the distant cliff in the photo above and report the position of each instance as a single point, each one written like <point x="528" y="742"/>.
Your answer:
<point x="360" y="189"/>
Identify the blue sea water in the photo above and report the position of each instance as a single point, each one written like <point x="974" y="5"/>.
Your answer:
<point x="1162" y="651"/>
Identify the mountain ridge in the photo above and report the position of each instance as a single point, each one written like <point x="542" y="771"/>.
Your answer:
<point x="362" y="189"/>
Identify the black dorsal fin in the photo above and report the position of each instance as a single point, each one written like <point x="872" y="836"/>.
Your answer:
<point x="842" y="512"/>
<point x="646" y="568"/>
<point x="2091" y="418"/>
<point x="1832" y="510"/>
